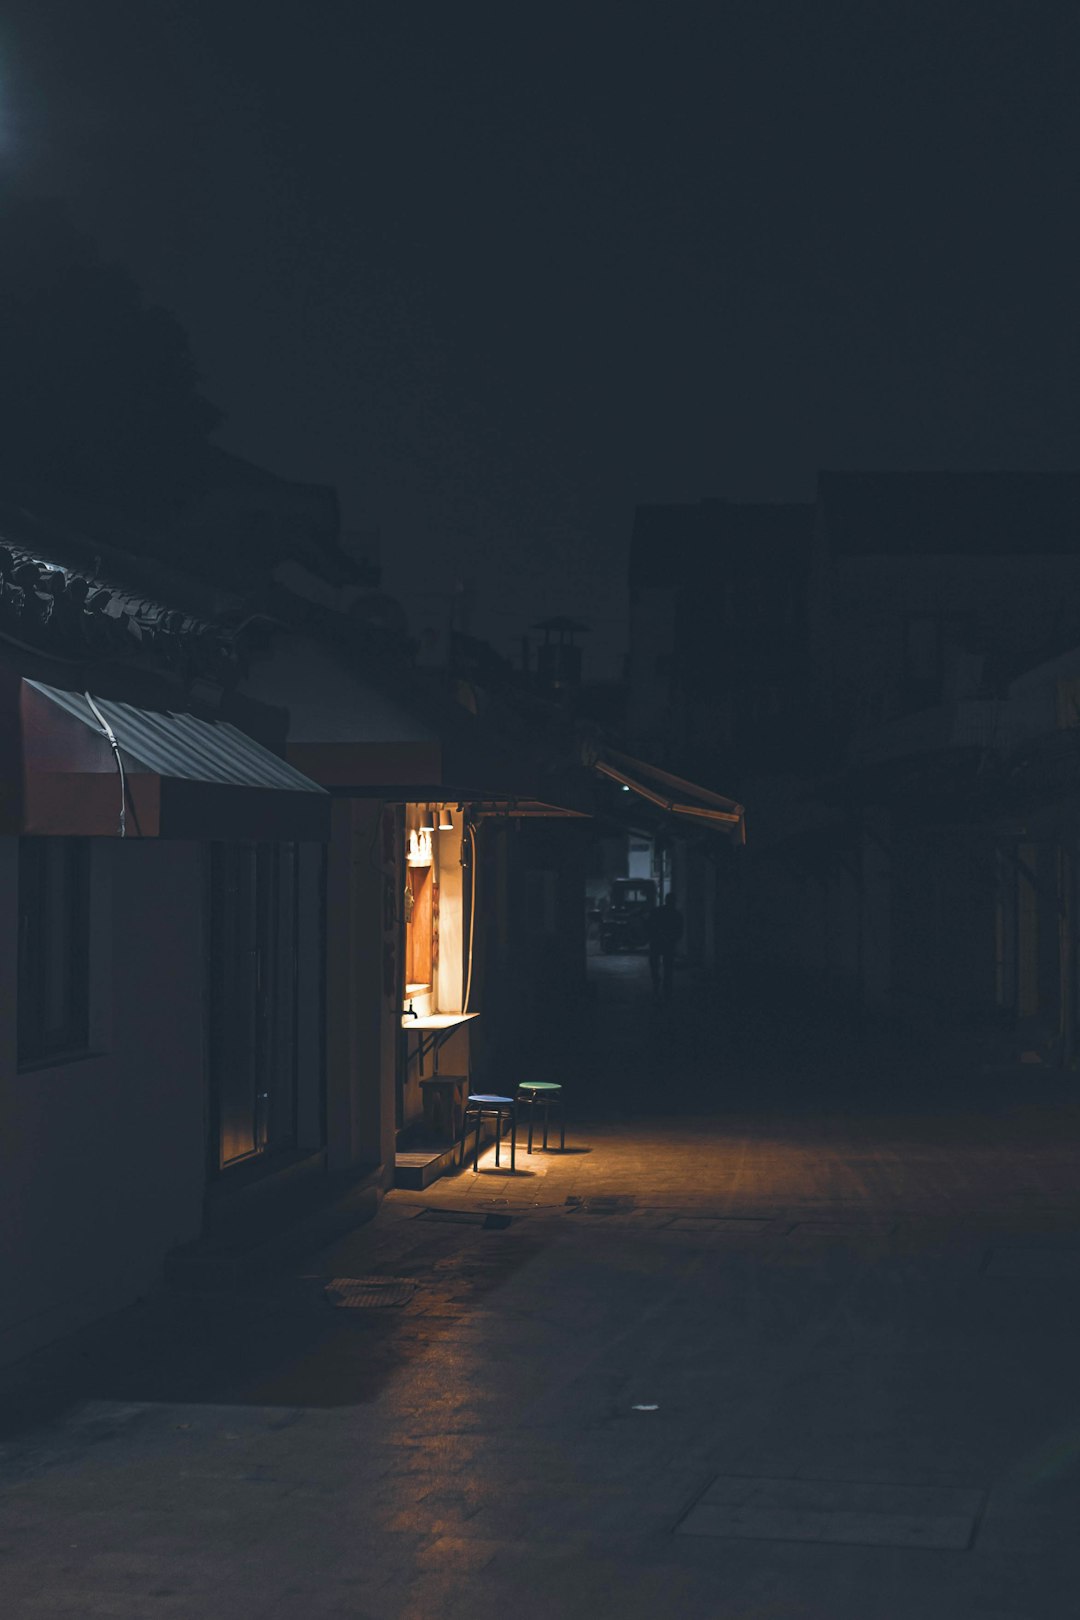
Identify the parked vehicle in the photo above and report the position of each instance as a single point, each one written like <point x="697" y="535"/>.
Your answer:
<point x="624" y="926"/>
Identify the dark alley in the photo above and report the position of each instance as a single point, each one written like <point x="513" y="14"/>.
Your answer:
<point x="738" y="1359"/>
<point x="539" y="811"/>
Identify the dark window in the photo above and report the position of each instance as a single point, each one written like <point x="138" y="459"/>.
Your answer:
<point x="54" y="948"/>
<point x="923" y="662"/>
<point x="923" y="649"/>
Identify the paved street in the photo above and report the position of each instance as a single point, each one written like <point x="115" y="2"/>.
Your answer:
<point x="789" y="1331"/>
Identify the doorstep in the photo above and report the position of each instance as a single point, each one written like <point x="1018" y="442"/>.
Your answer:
<point x="419" y="1162"/>
<point x="266" y="1232"/>
<point x="417" y="1168"/>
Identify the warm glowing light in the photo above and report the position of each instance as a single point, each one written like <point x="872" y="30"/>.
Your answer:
<point x="420" y="853"/>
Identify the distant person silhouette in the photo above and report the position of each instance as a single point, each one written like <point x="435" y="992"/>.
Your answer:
<point x="665" y="926"/>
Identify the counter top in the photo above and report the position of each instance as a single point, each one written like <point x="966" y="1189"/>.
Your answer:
<point x="436" y="1020"/>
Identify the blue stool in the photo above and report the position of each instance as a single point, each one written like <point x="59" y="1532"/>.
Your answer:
<point x="544" y="1094"/>
<point x="479" y="1105"/>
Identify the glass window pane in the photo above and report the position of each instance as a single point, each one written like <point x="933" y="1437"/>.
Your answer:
<point x="54" y="947"/>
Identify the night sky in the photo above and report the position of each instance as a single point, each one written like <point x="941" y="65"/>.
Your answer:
<point x="499" y="273"/>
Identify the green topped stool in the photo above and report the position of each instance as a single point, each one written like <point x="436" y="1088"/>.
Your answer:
<point x="544" y="1094"/>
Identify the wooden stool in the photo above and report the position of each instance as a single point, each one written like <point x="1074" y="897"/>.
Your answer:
<point x="444" y="1105"/>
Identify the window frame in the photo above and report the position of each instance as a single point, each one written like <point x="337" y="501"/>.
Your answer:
<point x="40" y="1045"/>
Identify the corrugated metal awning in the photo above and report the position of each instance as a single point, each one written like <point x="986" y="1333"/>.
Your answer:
<point x="185" y="777"/>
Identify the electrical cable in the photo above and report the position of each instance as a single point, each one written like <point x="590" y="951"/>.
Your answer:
<point x="108" y="730"/>
<point x="471" y="830"/>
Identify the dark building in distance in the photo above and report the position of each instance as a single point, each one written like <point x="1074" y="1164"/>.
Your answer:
<point x="718" y="626"/>
<point x="888" y="680"/>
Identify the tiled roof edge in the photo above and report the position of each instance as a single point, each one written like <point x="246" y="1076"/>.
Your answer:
<point x="64" y="612"/>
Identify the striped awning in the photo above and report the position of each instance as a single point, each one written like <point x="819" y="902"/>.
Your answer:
<point x="673" y="794"/>
<point x="182" y="776"/>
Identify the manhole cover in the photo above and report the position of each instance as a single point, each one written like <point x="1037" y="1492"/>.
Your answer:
<point x="367" y="1293"/>
<point x="844" y="1511"/>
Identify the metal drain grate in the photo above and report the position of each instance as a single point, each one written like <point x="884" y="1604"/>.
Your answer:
<point x="725" y="1224"/>
<point x="466" y="1217"/>
<point x="600" y="1205"/>
<point x="368" y="1293"/>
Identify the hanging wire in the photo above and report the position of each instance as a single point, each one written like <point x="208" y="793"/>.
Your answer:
<point x="108" y="730"/>
<point x="472" y="909"/>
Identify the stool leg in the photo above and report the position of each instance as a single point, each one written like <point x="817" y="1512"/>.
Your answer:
<point x="513" y="1140"/>
<point x="498" y="1134"/>
<point x="547" y="1112"/>
<point x="476" y="1149"/>
<point x="532" y="1110"/>
<point x="562" y="1126"/>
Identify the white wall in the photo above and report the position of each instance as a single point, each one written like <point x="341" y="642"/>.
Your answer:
<point x="326" y="702"/>
<point x="102" y="1160"/>
<point x="450" y="983"/>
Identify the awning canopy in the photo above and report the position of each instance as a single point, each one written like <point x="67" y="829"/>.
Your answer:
<point x="510" y="809"/>
<point x="183" y="777"/>
<point x="442" y="771"/>
<point x="422" y="748"/>
<point x="673" y="794"/>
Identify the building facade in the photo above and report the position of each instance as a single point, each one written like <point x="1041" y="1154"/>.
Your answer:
<point x="909" y="841"/>
<point x="160" y="919"/>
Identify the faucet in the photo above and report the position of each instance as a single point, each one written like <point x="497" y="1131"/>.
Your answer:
<point x="410" y="1011"/>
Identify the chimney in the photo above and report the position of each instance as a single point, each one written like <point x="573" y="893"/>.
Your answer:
<point x="558" y="659"/>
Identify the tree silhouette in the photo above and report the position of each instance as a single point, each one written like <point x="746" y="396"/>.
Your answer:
<point x="100" y="396"/>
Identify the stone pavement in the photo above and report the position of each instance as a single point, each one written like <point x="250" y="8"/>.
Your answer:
<point x="766" y="1360"/>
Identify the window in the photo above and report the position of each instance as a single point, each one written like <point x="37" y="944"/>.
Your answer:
<point x="54" y="948"/>
<point x="419" y="921"/>
<point x="421" y="902"/>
